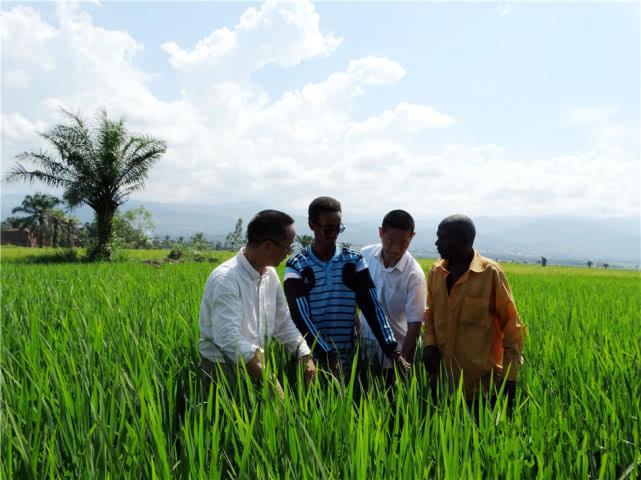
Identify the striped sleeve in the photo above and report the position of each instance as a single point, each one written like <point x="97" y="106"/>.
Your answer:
<point x="367" y="299"/>
<point x="298" y="302"/>
<point x="291" y="272"/>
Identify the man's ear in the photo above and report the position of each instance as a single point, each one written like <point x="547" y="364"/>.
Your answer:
<point x="310" y="224"/>
<point x="380" y="232"/>
<point x="266" y="246"/>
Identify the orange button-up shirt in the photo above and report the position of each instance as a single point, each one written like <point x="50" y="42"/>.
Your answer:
<point x="476" y="326"/>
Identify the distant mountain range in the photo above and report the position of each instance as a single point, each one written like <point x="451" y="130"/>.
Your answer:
<point x="563" y="239"/>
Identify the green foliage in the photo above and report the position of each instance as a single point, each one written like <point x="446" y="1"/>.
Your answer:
<point x="41" y="218"/>
<point x="304" y="240"/>
<point x="99" y="166"/>
<point x="133" y="227"/>
<point x="199" y="242"/>
<point x="235" y="239"/>
<point x="99" y="380"/>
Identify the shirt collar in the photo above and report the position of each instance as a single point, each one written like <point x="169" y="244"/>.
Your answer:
<point x="313" y="256"/>
<point x="246" y="266"/>
<point x="400" y="265"/>
<point x="475" y="266"/>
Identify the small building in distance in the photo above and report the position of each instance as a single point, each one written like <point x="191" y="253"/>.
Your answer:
<point x="20" y="238"/>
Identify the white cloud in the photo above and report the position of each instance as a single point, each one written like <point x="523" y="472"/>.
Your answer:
<point x="18" y="78"/>
<point x="406" y="118"/>
<point x="280" y="33"/>
<point x="588" y="116"/>
<point x="16" y="127"/>
<point x="373" y="70"/>
<point x="228" y="140"/>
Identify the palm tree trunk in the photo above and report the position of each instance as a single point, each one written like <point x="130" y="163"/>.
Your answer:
<point x="104" y="232"/>
<point x="54" y="235"/>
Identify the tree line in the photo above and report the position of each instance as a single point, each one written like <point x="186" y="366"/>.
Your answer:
<point x="46" y="220"/>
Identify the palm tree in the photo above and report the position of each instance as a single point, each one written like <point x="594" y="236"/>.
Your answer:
<point x="38" y="209"/>
<point x="304" y="240"/>
<point x="59" y="227"/>
<point x="99" y="166"/>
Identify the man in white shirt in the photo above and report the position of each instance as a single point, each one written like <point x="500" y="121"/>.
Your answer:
<point x="401" y="286"/>
<point x="243" y="305"/>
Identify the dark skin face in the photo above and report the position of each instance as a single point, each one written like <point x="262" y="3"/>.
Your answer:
<point x="325" y="229"/>
<point x="453" y="247"/>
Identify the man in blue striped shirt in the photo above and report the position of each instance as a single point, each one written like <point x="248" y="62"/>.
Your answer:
<point x="324" y="283"/>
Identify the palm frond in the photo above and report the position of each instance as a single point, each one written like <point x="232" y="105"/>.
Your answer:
<point x="73" y="146"/>
<point x="123" y="193"/>
<point x="21" y="209"/>
<point x="20" y="173"/>
<point x="140" y="161"/>
<point x="78" y="193"/>
<point x="44" y="160"/>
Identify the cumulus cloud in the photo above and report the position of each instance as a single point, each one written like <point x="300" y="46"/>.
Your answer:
<point x="17" y="127"/>
<point x="230" y="141"/>
<point x="278" y="33"/>
<point x="406" y="118"/>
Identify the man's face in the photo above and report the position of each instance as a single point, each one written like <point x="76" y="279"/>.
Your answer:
<point x="326" y="229"/>
<point x="395" y="243"/>
<point x="450" y="243"/>
<point x="280" y="250"/>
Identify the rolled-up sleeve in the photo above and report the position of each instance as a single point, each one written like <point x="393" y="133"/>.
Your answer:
<point x="513" y="329"/>
<point x="226" y="310"/>
<point x="284" y="329"/>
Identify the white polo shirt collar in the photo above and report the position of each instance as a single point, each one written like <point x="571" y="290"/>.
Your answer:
<point x="400" y="265"/>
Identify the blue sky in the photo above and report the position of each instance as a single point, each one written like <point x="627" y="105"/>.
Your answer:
<point x="537" y="103"/>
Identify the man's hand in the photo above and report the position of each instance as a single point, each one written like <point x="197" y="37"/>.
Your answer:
<point x="400" y="362"/>
<point x="431" y="359"/>
<point x="409" y="344"/>
<point x="510" y="393"/>
<point x="276" y="389"/>
<point x="334" y="363"/>
<point x="255" y="368"/>
<point x="310" y="369"/>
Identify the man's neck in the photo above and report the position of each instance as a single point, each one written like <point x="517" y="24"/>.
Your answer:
<point x="326" y="253"/>
<point x="458" y="266"/>
<point x="388" y="262"/>
<point x="255" y="260"/>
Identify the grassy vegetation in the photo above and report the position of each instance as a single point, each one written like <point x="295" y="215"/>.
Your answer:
<point x="98" y="366"/>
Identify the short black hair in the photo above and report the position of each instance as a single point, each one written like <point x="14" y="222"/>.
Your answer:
<point x="268" y="225"/>
<point x="400" y="220"/>
<point x="462" y="225"/>
<point x="322" y="204"/>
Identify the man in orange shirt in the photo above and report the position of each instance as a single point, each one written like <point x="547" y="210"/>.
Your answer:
<point x="471" y="323"/>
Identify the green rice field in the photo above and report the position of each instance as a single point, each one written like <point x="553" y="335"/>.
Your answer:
<point x="99" y="380"/>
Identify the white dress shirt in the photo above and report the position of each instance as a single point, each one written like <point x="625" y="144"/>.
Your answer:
<point x="402" y="291"/>
<point x="241" y="310"/>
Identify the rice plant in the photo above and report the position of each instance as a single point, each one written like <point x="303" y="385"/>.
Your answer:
<point x="99" y="379"/>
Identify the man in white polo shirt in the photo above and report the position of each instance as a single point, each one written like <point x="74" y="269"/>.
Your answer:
<point x="243" y="305"/>
<point x="401" y="286"/>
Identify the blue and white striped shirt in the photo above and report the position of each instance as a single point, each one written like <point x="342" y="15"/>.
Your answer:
<point x="323" y="297"/>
